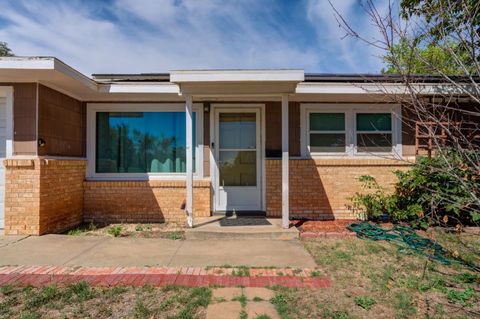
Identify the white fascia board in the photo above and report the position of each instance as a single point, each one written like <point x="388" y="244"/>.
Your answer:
<point x="47" y="64"/>
<point x="139" y="88"/>
<point x="24" y="63"/>
<point x="349" y="88"/>
<point x="74" y="74"/>
<point x="381" y="88"/>
<point x="182" y="76"/>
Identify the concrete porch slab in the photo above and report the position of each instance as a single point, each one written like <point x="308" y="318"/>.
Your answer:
<point x="7" y="240"/>
<point x="211" y="228"/>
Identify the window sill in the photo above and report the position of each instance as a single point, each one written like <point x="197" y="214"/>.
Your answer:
<point x="125" y="177"/>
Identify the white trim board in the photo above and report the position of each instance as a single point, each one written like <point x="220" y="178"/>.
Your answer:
<point x="213" y="164"/>
<point x="93" y="108"/>
<point x="7" y="92"/>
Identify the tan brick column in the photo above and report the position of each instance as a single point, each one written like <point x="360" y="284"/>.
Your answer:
<point x="43" y="195"/>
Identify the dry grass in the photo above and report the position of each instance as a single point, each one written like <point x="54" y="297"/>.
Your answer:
<point x="82" y="301"/>
<point x="159" y="230"/>
<point x="367" y="274"/>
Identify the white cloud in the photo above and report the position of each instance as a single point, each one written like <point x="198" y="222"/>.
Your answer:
<point x="152" y="36"/>
<point x="356" y="54"/>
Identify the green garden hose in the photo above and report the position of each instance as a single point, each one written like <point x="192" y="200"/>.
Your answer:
<point x="405" y="238"/>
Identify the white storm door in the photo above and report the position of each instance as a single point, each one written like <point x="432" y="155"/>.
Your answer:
<point x="3" y="154"/>
<point x="238" y="157"/>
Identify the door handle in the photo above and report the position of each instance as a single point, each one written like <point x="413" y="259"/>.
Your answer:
<point x="213" y="145"/>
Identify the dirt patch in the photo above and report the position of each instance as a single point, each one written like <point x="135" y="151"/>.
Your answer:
<point x="160" y="230"/>
<point x="323" y="226"/>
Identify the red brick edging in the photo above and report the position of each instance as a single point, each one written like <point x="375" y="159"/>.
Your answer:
<point x="327" y="234"/>
<point x="159" y="276"/>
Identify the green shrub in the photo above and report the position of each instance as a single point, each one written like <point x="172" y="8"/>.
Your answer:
<point x="437" y="190"/>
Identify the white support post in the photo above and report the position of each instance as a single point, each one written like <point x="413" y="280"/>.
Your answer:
<point x="285" y="206"/>
<point x="189" y="154"/>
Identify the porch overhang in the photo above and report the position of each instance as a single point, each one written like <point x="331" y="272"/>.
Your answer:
<point x="237" y="82"/>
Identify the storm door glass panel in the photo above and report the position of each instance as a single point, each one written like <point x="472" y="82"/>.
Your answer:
<point x="374" y="132"/>
<point x="327" y="132"/>
<point x="141" y="142"/>
<point x="238" y="149"/>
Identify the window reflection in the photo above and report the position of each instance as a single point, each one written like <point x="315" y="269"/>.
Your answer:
<point x="238" y="168"/>
<point x="142" y="142"/>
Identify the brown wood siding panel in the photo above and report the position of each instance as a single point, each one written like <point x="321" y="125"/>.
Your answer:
<point x="206" y="141"/>
<point x="408" y="132"/>
<point x="294" y="128"/>
<point x="24" y="118"/>
<point x="273" y="129"/>
<point x="61" y="124"/>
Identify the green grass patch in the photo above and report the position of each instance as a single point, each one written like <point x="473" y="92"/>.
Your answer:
<point x="115" y="230"/>
<point x="242" y="271"/>
<point x="365" y="302"/>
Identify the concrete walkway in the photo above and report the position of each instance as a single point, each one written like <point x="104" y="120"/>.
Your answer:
<point x="234" y="303"/>
<point x="92" y="251"/>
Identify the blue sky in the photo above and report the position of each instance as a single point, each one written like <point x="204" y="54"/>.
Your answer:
<point x="133" y="36"/>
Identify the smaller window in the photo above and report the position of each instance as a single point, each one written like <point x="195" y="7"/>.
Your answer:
<point x="374" y="132"/>
<point x="327" y="132"/>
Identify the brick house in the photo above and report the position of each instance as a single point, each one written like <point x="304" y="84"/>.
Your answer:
<point x="186" y="144"/>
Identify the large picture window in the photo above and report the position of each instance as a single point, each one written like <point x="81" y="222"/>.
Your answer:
<point x="141" y="141"/>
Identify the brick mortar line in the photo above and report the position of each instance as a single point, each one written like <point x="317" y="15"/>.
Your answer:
<point x="165" y="279"/>
<point x="191" y="271"/>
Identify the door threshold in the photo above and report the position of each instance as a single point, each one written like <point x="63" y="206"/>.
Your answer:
<point x="242" y="213"/>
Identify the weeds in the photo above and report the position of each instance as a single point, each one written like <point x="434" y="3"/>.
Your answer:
<point x="242" y="271"/>
<point x="115" y="231"/>
<point x="141" y="311"/>
<point x="174" y="236"/>
<point x="243" y="314"/>
<point x="460" y="296"/>
<point x="242" y="299"/>
<point x="83" y="229"/>
<point x="404" y="305"/>
<point x="7" y="290"/>
<point x="365" y="302"/>
<point x="281" y="304"/>
<point x="82" y="301"/>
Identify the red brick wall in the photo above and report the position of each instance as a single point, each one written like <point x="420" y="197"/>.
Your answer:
<point x="319" y="189"/>
<point x="43" y="195"/>
<point x="143" y="201"/>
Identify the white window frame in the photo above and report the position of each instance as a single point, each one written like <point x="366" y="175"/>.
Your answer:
<point x="345" y="131"/>
<point x="94" y="108"/>
<point x="356" y="132"/>
<point x="351" y="111"/>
